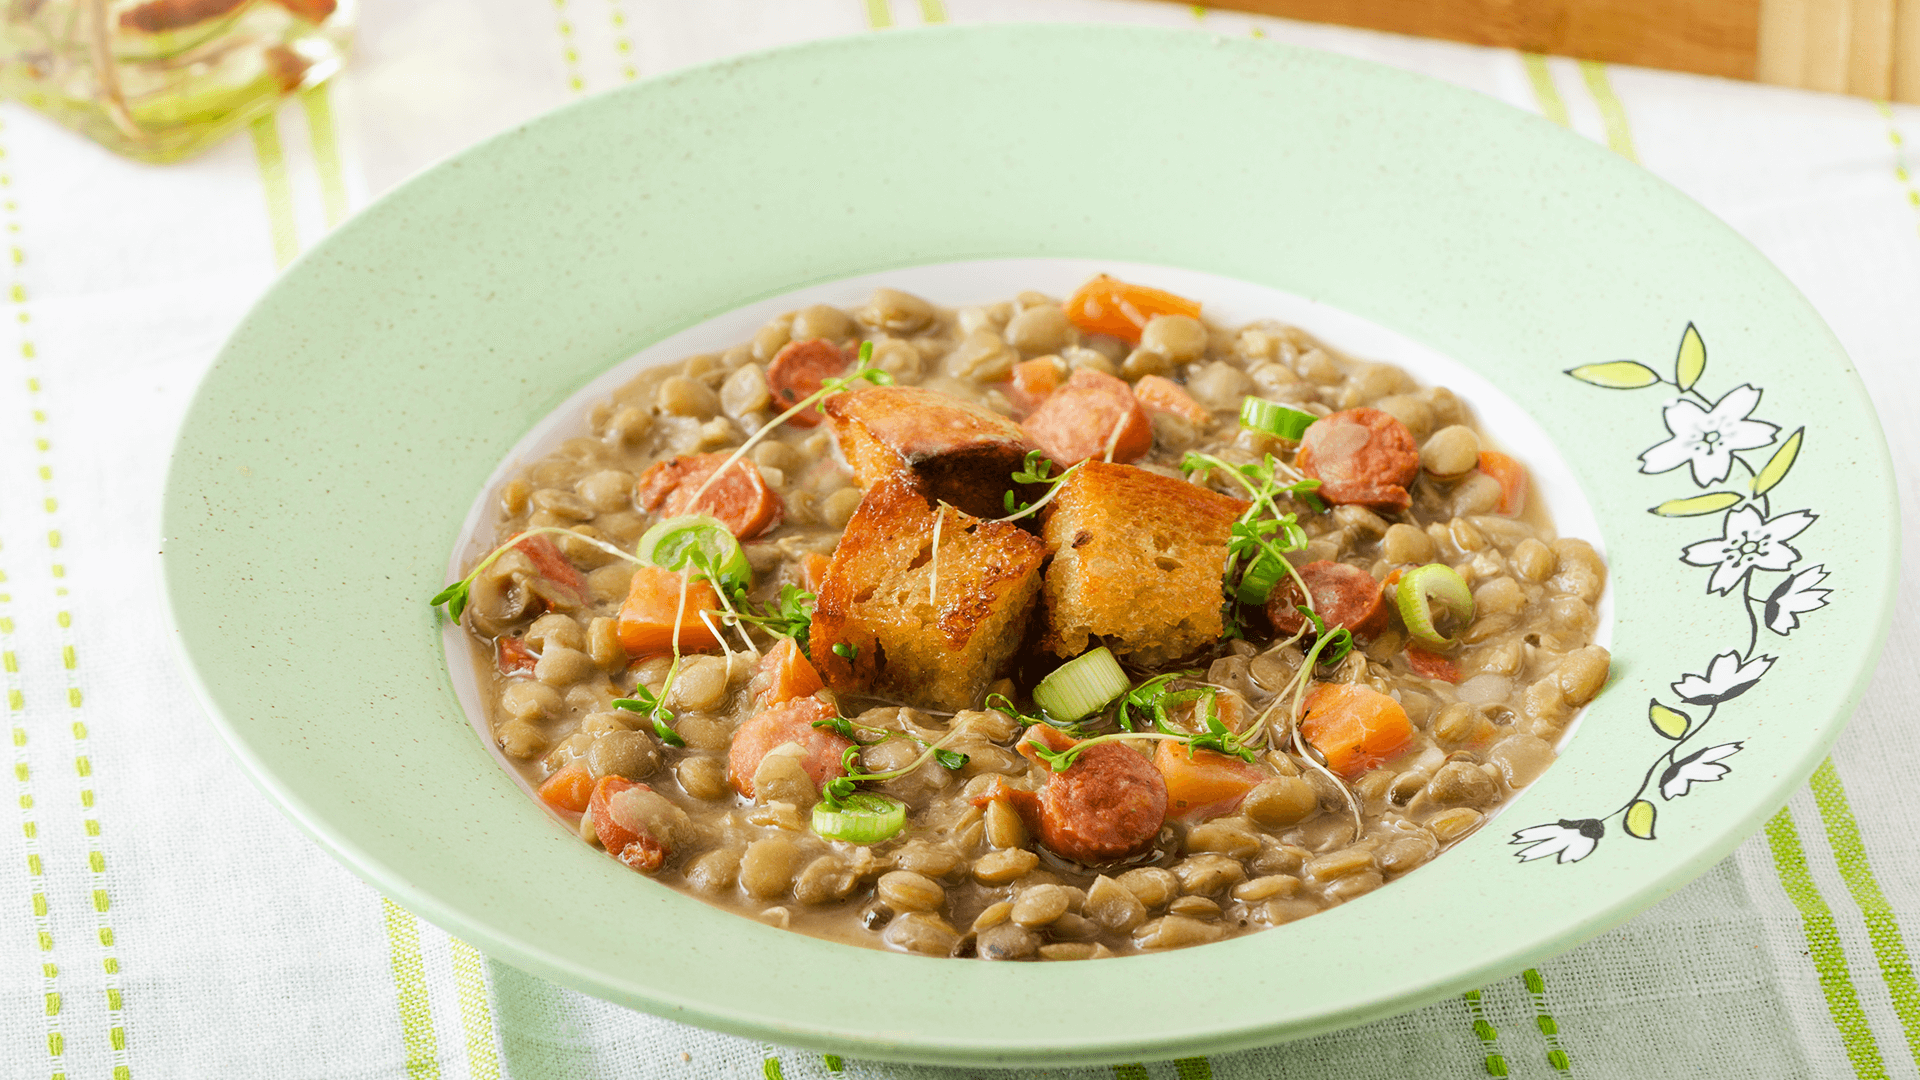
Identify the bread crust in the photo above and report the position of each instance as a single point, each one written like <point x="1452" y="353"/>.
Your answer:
<point x="1137" y="563"/>
<point x="910" y="643"/>
<point x="965" y="454"/>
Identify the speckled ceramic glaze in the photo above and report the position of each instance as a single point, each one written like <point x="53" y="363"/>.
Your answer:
<point x="325" y="468"/>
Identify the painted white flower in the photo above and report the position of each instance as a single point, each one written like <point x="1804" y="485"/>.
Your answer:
<point x="1699" y="767"/>
<point x="1707" y="438"/>
<point x="1567" y="841"/>
<point x="1748" y="542"/>
<point x="1795" y="597"/>
<point x="1726" y="678"/>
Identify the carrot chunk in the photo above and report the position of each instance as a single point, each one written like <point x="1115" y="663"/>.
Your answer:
<point x="1032" y="381"/>
<point x="1206" y="784"/>
<point x="1118" y="309"/>
<point x="1355" y="728"/>
<point x="783" y="674"/>
<point x="813" y="570"/>
<point x="1161" y="394"/>
<point x="647" y="618"/>
<point x="570" y="789"/>
<point x="1513" y="480"/>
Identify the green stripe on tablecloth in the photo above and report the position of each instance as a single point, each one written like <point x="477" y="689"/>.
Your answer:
<point x="1901" y="172"/>
<point x="1613" y="115"/>
<point x="1823" y="946"/>
<point x="879" y="15"/>
<point x="326" y="152"/>
<point x="568" y="49"/>
<point x="622" y="41"/>
<point x="933" y="11"/>
<point x="278" y="190"/>
<point x="1548" y="95"/>
<point x="1883" y="928"/>
<point x="1135" y="1071"/>
<point x="1193" y="1068"/>
<point x="1485" y="1031"/>
<point x="99" y="887"/>
<point x="476" y="1016"/>
<point x="410" y="990"/>
<point x="30" y="832"/>
<point x="1549" y="1028"/>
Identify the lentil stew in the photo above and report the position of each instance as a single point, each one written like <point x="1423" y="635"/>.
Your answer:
<point x="1034" y="630"/>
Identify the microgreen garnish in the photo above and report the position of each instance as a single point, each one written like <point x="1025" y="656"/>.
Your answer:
<point x="1035" y="469"/>
<point x="836" y="791"/>
<point x="1155" y="699"/>
<point x="454" y="596"/>
<point x="459" y="594"/>
<point x="847" y="729"/>
<point x="1007" y="706"/>
<point x="646" y="704"/>
<point x="1150" y="698"/>
<point x="861" y="373"/>
<point x="846" y="650"/>
<point x="1260" y="540"/>
<point x="788" y="615"/>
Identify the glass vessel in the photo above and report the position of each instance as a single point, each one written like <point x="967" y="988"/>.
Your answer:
<point x="160" y="80"/>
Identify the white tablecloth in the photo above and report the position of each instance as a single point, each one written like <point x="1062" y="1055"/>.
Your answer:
<point x="159" y="919"/>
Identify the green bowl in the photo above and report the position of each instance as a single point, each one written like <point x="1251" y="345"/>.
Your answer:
<point x="325" y="468"/>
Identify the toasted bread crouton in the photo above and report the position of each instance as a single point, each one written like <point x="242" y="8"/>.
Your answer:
<point x="966" y="454"/>
<point x="930" y="628"/>
<point x="1137" y="561"/>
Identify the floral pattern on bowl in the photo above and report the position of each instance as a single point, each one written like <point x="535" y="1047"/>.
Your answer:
<point x="1710" y="437"/>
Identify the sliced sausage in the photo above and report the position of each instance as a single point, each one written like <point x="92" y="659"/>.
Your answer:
<point x="1108" y="805"/>
<point x="636" y="824"/>
<point x="1342" y="595"/>
<point x="550" y="563"/>
<point x="796" y="372"/>
<point x="964" y="452"/>
<point x="1077" y="421"/>
<point x="740" y="498"/>
<point x="1361" y="456"/>
<point x="1432" y="665"/>
<point x="787" y="722"/>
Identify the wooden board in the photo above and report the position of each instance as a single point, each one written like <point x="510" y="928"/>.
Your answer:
<point x="1870" y="48"/>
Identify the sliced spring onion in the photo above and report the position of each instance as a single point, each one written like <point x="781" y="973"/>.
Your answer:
<point x="1270" y="418"/>
<point x="860" y="818"/>
<point x="1429" y="591"/>
<point x="1258" y="583"/>
<point x="1082" y="686"/>
<point x="696" y="539"/>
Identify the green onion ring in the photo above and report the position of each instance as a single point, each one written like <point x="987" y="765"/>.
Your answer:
<point x="1426" y="591"/>
<point x="677" y="542"/>
<point x="1082" y="686"/>
<point x="860" y="818"/>
<point x="1270" y="418"/>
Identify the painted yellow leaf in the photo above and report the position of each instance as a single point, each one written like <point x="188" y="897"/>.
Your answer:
<point x="1692" y="359"/>
<point x="1776" y="467"/>
<point x="1711" y="503"/>
<point x="1669" y="722"/>
<point x="1617" y="374"/>
<point x="1640" y="819"/>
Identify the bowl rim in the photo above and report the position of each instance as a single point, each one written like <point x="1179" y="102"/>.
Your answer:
<point x="198" y="635"/>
